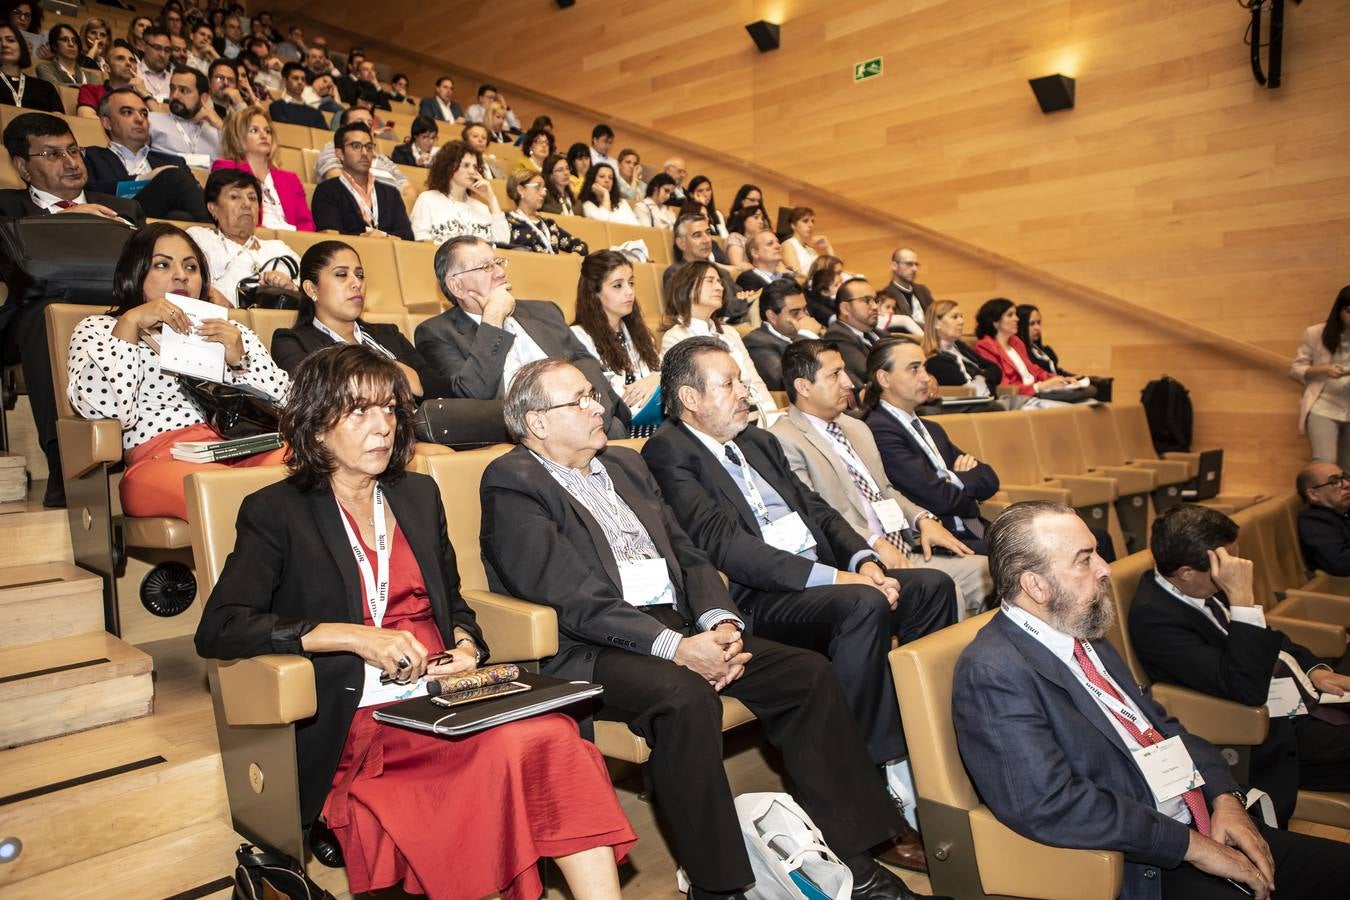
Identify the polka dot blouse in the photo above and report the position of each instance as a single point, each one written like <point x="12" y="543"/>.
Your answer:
<point x="112" y="379"/>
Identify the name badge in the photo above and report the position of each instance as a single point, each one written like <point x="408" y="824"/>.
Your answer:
<point x="646" y="582"/>
<point x="1168" y="769"/>
<point x="891" y="516"/>
<point x="372" y="692"/>
<point x="196" y="160"/>
<point x="789" y="533"/>
<point x="1284" y="699"/>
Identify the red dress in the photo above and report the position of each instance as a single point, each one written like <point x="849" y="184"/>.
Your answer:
<point x="466" y="817"/>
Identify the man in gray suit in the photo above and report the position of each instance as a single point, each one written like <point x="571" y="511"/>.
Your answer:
<point x="911" y="298"/>
<point x="836" y="456"/>
<point x="782" y="309"/>
<point x="487" y="335"/>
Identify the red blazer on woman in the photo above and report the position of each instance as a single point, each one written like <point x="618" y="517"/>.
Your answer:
<point x="989" y="348"/>
<point x="290" y="192"/>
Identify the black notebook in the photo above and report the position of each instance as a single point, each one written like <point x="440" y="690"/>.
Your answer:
<point x="545" y="694"/>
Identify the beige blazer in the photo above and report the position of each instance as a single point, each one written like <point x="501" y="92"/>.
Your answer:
<point x="1311" y="352"/>
<point x="815" y="462"/>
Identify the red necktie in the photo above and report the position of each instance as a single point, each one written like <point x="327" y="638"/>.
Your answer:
<point x="1194" y="798"/>
<point x="65" y="204"/>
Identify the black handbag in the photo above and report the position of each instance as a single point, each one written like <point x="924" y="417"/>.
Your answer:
<point x="1069" y="395"/>
<point x="251" y="293"/>
<point x="233" y="410"/>
<point x="461" y="423"/>
<point x="263" y="874"/>
<point x="68" y="257"/>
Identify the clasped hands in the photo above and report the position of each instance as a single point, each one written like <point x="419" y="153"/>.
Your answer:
<point x="718" y="656"/>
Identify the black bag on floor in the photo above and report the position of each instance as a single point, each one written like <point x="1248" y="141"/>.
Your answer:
<point x="262" y="874"/>
<point x="1167" y="404"/>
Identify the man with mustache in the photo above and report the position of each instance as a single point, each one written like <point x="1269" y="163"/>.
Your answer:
<point x="1052" y="730"/>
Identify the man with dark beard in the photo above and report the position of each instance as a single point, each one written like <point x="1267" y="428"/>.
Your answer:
<point x="191" y="128"/>
<point x="1066" y="750"/>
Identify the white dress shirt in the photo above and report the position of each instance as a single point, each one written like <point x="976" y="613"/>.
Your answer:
<point x="523" y="348"/>
<point x="229" y="261"/>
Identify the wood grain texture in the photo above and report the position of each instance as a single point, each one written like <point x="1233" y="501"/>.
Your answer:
<point x="1177" y="186"/>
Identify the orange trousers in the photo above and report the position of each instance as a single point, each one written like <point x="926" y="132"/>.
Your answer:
<point x="153" y="482"/>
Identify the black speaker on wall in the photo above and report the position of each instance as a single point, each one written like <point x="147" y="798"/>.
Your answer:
<point x="565" y="4"/>
<point x="764" y="34"/>
<point x="1053" y="92"/>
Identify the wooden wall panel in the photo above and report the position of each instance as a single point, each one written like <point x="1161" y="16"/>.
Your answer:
<point x="1177" y="185"/>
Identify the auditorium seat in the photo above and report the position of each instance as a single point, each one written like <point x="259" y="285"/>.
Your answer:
<point x="88" y="132"/>
<point x="258" y="700"/>
<point x="309" y="166"/>
<point x="1137" y="443"/>
<point x="265" y="322"/>
<point x="383" y="293"/>
<point x="1101" y="448"/>
<point x="658" y="240"/>
<point x="647" y="284"/>
<point x="292" y="159"/>
<point x="594" y="232"/>
<point x="458" y="477"/>
<point x="970" y="853"/>
<point x="544" y="276"/>
<point x="415" y="261"/>
<point x="289" y="135"/>
<point x="499" y="189"/>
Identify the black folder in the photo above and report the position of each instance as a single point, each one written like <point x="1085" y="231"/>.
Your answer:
<point x="545" y="695"/>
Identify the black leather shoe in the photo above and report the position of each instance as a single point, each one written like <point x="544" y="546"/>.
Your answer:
<point x="323" y="844"/>
<point x="885" y="885"/>
<point x="55" y="495"/>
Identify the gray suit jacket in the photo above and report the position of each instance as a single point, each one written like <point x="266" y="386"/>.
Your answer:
<point x="766" y="352"/>
<point x="1048" y="763"/>
<point x="816" y="463"/>
<point x="472" y="357"/>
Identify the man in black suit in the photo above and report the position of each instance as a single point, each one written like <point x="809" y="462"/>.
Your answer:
<point x="781" y="307"/>
<point x="291" y="108"/>
<point x="920" y="460"/>
<point x="694" y="243"/>
<point x="802" y="574"/>
<point x="170" y="192"/>
<point x="1195" y="622"/>
<point x="911" y="298"/>
<point x="47" y="158"/>
<point x="766" y="263"/>
<point x="441" y="107"/>
<point x="643" y="612"/>
<point x="854" y="329"/>
<point x="349" y="85"/>
<point x="1324" y="526"/>
<point x="483" y="339"/>
<point x="1050" y="725"/>
<point x="355" y="202"/>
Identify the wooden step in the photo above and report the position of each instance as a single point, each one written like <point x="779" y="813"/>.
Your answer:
<point x="190" y="860"/>
<point x="45" y="601"/>
<point x="35" y="536"/>
<point x="79" y="812"/>
<point x="70" y="684"/>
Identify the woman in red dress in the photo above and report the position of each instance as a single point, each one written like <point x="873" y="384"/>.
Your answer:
<point x="452" y="818"/>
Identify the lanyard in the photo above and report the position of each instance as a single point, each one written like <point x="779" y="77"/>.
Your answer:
<point x="544" y="239"/>
<point x="17" y="95"/>
<point x="367" y="202"/>
<point x="376" y="584"/>
<point x="752" y="489"/>
<point x="190" y="142"/>
<point x="361" y="338"/>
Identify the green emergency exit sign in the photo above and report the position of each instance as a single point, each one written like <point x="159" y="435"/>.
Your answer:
<point x="868" y="68"/>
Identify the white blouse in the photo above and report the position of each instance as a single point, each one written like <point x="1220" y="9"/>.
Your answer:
<point x="805" y="255"/>
<point x="438" y="217"/>
<point x="622" y="213"/>
<point x="230" y="262"/>
<point x="273" y="215"/>
<point x="1019" y="365"/>
<point x="112" y="379"/>
<point x="656" y="215"/>
<point x="759" y="391"/>
<point x="617" y="380"/>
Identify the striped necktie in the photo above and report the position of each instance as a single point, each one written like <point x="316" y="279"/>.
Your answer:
<point x="861" y="481"/>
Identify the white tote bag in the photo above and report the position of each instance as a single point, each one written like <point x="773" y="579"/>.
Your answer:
<point x="781" y="839"/>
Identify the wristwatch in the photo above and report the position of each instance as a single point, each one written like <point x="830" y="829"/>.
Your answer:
<point x="1241" y="797"/>
<point x="477" y="651"/>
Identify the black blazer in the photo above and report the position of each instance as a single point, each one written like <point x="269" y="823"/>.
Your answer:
<point x="766" y="352"/>
<point x="291" y="345"/>
<point x="947" y="371"/>
<point x="38" y="95"/>
<point x="290" y="113"/>
<point x="106" y="169"/>
<point x="712" y="509"/>
<point x="432" y="110"/>
<point x="335" y="209"/>
<point x="541" y="545"/>
<point x="903" y="307"/>
<point x="472" y="357"/>
<point x="1325" y="536"/>
<point x="292" y="568"/>
<point x="820" y="307"/>
<point x="911" y="473"/>
<point x="1177" y="644"/>
<point x="854" y="351"/>
<point x="15" y="203"/>
<point x="403" y="155"/>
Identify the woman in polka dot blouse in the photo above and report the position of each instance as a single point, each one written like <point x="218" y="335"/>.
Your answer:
<point x="113" y="364"/>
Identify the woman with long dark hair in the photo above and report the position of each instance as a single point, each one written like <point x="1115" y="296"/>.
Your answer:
<point x="559" y="197"/>
<point x="611" y="328"/>
<point x="16" y="88"/>
<point x="458" y="199"/>
<point x="333" y="285"/>
<point x="744" y="224"/>
<point x="114" y="368"/>
<point x="699" y="198"/>
<point x="1323" y="367"/>
<point x="996" y="327"/>
<point x="748" y="195"/>
<point x="600" y="197"/>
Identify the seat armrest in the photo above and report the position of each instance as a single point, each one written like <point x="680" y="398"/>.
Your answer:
<point x="1005" y="390"/>
<point x="1221" y="722"/>
<point x="1131" y="479"/>
<point x="1311" y="606"/>
<point x="87" y="444"/>
<point x="1325" y="641"/>
<point x="1019" y="492"/>
<point x="1088" y="490"/>
<point x="516" y="631"/>
<point x="433" y="307"/>
<point x="1192" y="460"/>
<point x="1328" y="584"/>
<point x="991" y="508"/>
<point x="275" y="689"/>
<point x="1013" y="866"/>
<point x="1169" y="471"/>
